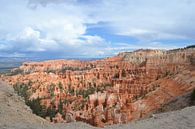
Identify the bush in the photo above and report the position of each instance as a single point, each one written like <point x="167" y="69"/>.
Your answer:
<point x="22" y="90"/>
<point x="71" y="91"/>
<point x="116" y="76"/>
<point x="87" y="92"/>
<point x="192" y="97"/>
<point x="60" y="107"/>
<point x="36" y="107"/>
<point x="15" y="72"/>
<point x="79" y="105"/>
<point x="91" y="90"/>
<point x="168" y="73"/>
<point x="35" y="104"/>
<point x="191" y="46"/>
<point x="65" y="68"/>
<point x="60" y="86"/>
<point x="51" y="89"/>
<point x="49" y="70"/>
<point x="51" y="112"/>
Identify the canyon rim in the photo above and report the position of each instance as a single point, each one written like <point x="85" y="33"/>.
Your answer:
<point x="89" y="64"/>
<point x="114" y="90"/>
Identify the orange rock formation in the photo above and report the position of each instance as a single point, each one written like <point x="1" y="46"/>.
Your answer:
<point x="114" y="90"/>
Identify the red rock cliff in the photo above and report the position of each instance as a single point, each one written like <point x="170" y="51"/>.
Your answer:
<point x="114" y="90"/>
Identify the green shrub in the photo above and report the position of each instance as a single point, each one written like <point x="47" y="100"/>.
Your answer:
<point x="168" y="73"/>
<point x="192" y="97"/>
<point x="78" y="106"/>
<point x="36" y="107"/>
<point x="60" y="107"/>
<point x="49" y="70"/>
<point x="91" y="90"/>
<point x="71" y="91"/>
<point x="14" y="72"/>
<point x="22" y="90"/>
<point x="116" y="75"/>
<point x="65" y="68"/>
<point x="51" y="112"/>
<point x="51" y="89"/>
<point x="35" y="104"/>
<point x="60" y="86"/>
<point x="191" y="46"/>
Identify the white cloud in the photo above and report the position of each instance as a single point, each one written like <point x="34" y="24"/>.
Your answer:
<point x="143" y="18"/>
<point x="28" y="33"/>
<point x="34" y="3"/>
<point x="61" y="25"/>
<point x="88" y="39"/>
<point x="45" y="29"/>
<point x="146" y="20"/>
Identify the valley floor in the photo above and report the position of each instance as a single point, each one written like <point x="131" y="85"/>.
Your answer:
<point x="14" y="114"/>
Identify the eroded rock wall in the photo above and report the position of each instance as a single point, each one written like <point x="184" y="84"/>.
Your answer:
<point x="114" y="90"/>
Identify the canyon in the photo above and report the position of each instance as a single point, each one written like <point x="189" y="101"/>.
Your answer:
<point x="14" y="114"/>
<point x="115" y="90"/>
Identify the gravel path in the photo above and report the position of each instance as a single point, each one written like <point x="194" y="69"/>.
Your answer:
<point x="14" y="114"/>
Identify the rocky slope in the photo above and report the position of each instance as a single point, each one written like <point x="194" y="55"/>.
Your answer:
<point x="13" y="110"/>
<point x="110" y="91"/>
<point x="14" y="114"/>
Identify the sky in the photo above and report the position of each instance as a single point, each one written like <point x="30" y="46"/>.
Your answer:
<point x="93" y="28"/>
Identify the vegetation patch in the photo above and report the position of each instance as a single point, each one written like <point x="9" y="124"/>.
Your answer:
<point x="192" y="98"/>
<point x="35" y="104"/>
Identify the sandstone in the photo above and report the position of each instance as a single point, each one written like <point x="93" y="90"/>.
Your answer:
<point x="114" y="90"/>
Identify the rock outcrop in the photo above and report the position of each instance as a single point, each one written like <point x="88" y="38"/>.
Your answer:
<point x="114" y="90"/>
<point x="14" y="114"/>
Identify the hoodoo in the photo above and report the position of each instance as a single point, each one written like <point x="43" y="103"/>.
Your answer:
<point x="119" y="89"/>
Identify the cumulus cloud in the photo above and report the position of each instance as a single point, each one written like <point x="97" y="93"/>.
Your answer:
<point x="152" y="19"/>
<point x="30" y="41"/>
<point x="59" y="27"/>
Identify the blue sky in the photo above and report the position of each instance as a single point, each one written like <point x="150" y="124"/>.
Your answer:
<point x="93" y="28"/>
